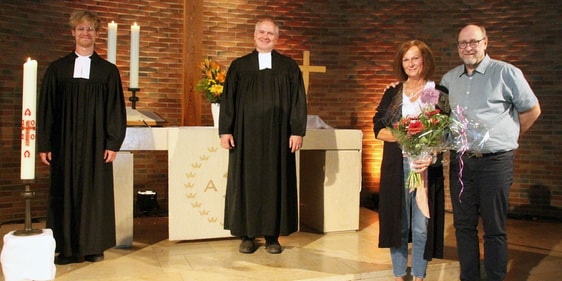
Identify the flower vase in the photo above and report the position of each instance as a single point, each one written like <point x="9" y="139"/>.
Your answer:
<point x="215" y="110"/>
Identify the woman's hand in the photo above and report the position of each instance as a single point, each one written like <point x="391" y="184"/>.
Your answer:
<point x="419" y="165"/>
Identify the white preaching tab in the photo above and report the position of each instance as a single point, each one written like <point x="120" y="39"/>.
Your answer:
<point x="265" y="60"/>
<point x="82" y="67"/>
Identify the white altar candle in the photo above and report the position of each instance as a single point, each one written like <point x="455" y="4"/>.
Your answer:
<point x="112" y="42"/>
<point x="134" y="70"/>
<point x="29" y="98"/>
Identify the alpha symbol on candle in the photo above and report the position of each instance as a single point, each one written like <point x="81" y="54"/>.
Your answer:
<point x="27" y="126"/>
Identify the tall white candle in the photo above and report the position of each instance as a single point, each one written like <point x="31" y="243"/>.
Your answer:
<point x="134" y="71"/>
<point x="112" y="42"/>
<point x="28" y="115"/>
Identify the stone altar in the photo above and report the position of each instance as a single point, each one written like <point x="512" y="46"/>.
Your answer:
<point x="329" y="176"/>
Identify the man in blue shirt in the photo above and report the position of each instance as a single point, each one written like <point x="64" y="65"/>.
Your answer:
<point x="495" y="94"/>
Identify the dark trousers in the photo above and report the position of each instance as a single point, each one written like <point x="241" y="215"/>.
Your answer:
<point x="485" y="185"/>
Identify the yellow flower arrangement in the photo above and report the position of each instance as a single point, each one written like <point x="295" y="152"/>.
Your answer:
<point x="211" y="85"/>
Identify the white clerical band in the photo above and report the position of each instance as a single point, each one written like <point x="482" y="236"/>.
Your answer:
<point x="265" y="60"/>
<point x="82" y="67"/>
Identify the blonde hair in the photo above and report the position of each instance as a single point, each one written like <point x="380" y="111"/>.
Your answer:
<point x="78" y="17"/>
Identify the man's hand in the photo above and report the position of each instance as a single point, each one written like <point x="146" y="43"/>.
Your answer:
<point x="45" y="158"/>
<point x="295" y="143"/>
<point x="393" y="84"/>
<point x="109" y="155"/>
<point x="227" y="141"/>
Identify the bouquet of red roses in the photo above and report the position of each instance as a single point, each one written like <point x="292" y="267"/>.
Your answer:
<point x="421" y="136"/>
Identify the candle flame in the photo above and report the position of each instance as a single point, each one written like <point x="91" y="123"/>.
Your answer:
<point x="28" y="59"/>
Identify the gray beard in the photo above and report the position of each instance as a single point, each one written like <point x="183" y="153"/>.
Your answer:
<point x="470" y="61"/>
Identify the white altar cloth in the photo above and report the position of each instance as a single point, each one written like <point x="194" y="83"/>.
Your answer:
<point x="29" y="257"/>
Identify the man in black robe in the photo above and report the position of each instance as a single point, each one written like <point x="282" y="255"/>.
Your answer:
<point x="81" y="126"/>
<point x="262" y="123"/>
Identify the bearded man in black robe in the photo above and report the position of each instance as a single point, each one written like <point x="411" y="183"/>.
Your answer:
<point x="81" y="126"/>
<point x="262" y="122"/>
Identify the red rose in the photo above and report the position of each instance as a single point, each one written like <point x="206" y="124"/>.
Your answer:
<point x="432" y="113"/>
<point x="415" y="127"/>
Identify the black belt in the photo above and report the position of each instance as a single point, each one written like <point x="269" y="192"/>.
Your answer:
<point x="470" y="154"/>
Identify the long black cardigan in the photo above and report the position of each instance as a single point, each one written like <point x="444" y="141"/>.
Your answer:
<point x="391" y="194"/>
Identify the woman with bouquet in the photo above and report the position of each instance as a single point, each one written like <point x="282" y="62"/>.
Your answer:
<point x="405" y="209"/>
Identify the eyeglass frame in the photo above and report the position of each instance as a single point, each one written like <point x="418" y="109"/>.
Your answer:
<point x="471" y="43"/>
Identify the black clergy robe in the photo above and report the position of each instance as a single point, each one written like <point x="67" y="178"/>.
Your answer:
<point x="77" y="120"/>
<point x="262" y="109"/>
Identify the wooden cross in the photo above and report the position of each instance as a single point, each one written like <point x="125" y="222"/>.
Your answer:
<point x="306" y="69"/>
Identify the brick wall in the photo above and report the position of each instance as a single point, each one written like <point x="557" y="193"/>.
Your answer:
<point x="355" y="40"/>
<point x="41" y="31"/>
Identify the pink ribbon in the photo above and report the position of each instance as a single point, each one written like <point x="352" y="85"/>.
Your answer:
<point x="464" y="146"/>
<point x="421" y="196"/>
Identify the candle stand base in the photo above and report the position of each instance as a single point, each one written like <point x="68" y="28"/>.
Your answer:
<point x="134" y="99"/>
<point x="28" y="229"/>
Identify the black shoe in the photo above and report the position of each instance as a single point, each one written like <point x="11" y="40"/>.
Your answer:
<point x="62" y="260"/>
<point x="273" y="248"/>
<point x="94" y="258"/>
<point x="247" y="246"/>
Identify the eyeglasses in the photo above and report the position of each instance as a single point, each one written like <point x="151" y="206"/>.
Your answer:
<point x="472" y="43"/>
<point x="87" y="29"/>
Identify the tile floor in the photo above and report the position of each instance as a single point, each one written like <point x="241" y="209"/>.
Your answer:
<point x="535" y="254"/>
